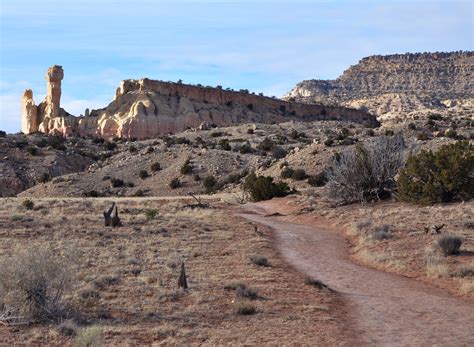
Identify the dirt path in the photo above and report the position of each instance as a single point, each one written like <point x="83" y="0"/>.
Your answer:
<point x="385" y="309"/>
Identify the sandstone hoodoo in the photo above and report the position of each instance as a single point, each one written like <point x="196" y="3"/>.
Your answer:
<point x="398" y="84"/>
<point x="48" y="116"/>
<point x="146" y="108"/>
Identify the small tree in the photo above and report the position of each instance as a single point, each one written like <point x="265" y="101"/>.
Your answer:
<point x="210" y="183"/>
<point x="443" y="176"/>
<point x="263" y="187"/>
<point x="367" y="172"/>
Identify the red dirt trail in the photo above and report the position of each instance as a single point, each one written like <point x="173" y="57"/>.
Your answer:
<point x="385" y="309"/>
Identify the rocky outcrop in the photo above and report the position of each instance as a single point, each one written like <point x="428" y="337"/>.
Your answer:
<point x="395" y="83"/>
<point x="48" y="116"/>
<point x="146" y="108"/>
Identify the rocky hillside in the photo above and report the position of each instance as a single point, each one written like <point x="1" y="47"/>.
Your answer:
<point x="398" y="84"/>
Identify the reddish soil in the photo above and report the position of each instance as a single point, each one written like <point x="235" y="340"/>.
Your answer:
<point x="385" y="309"/>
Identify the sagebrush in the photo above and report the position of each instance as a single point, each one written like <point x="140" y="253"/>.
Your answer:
<point x="367" y="172"/>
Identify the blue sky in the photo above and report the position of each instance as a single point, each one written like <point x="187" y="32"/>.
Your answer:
<point x="264" y="46"/>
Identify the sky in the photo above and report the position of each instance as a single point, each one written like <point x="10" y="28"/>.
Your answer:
<point x="264" y="46"/>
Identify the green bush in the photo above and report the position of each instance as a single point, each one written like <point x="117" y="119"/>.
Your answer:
<point x="318" y="180"/>
<point x="287" y="172"/>
<point x="299" y="175"/>
<point x="187" y="167"/>
<point x="175" y="183"/>
<point x="110" y="146"/>
<point x="143" y="174"/>
<point x="328" y="142"/>
<point x="266" y="145"/>
<point x="225" y="145"/>
<point x="210" y="183"/>
<point x="155" y="167"/>
<point x="116" y="182"/>
<point x="263" y="187"/>
<point x="28" y="204"/>
<point x="444" y="176"/>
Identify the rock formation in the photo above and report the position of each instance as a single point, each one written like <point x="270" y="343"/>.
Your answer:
<point x="146" y="108"/>
<point x="48" y="116"/>
<point x="29" y="119"/>
<point x="397" y="83"/>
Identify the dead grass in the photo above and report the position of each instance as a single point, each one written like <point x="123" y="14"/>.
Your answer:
<point x="127" y="276"/>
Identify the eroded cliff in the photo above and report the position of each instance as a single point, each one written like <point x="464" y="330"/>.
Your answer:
<point x="146" y="108"/>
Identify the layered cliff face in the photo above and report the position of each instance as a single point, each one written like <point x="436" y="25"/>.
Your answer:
<point x="397" y="84"/>
<point x="146" y="108"/>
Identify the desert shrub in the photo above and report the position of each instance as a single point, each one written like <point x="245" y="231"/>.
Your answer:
<point x="151" y="213"/>
<point x="44" y="177"/>
<point x="105" y="281"/>
<point x="110" y="146"/>
<point x="150" y="150"/>
<point x="143" y="174"/>
<point x="175" y="183"/>
<point x="210" y="183"/>
<point x="463" y="272"/>
<point x="299" y="175"/>
<point x="28" y="204"/>
<point x="243" y="291"/>
<point x="263" y="187"/>
<point x="278" y="152"/>
<point x="451" y="133"/>
<point x="155" y="167"/>
<point x="367" y="172"/>
<point x="245" y="148"/>
<point x="381" y="232"/>
<point x="98" y="140"/>
<point x="33" y="283"/>
<point x="139" y="193"/>
<point x="315" y="283"/>
<point x="444" y="176"/>
<point x="187" y="168"/>
<point x="389" y="132"/>
<point x="259" y="260"/>
<point x="245" y="308"/>
<point x="68" y="328"/>
<point x="423" y="136"/>
<point x="91" y="194"/>
<point x="225" y="145"/>
<point x="57" y="142"/>
<point x="132" y="149"/>
<point x="318" y="180"/>
<point x="89" y="337"/>
<point x="343" y="133"/>
<point x="450" y="244"/>
<point x="33" y="150"/>
<point x="235" y="177"/>
<point x="250" y="131"/>
<point x="287" y="172"/>
<point x="217" y="134"/>
<point x="196" y="177"/>
<point x="116" y="182"/>
<point x="266" y="145"/>
<point x="370" y="132"/>
<point x="329" y="142"/>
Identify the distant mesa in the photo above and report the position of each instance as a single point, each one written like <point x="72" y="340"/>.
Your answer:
<point x="147" y="108"/>
<point x="397" y="84"/>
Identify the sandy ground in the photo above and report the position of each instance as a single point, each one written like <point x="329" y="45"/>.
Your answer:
<point x="144" y="306"/>
<point x="386" y="309"/>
